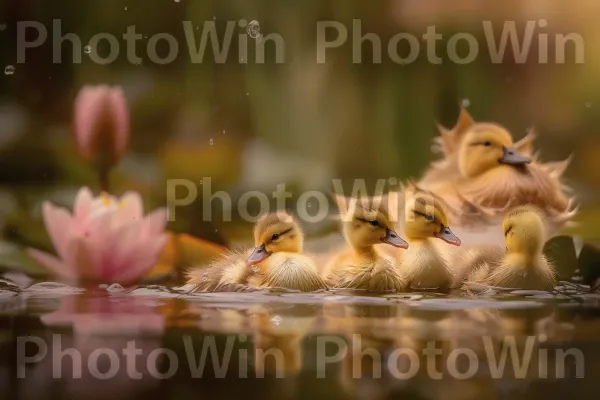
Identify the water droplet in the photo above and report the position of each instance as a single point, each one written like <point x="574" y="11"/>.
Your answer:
<point x="115" y="288"/>
<point x="224" y="132"/>
<point x="276" y="320"/>
<point x="87" y="49"/>
<point x="253" y="29"/>
<point x="9" y="70"/>
<point x="247" y="93"/>
<point x="125" y="8"/>
<point x="201" y="181"/>
<point x="588" y="104"/>
<point x="465" y="103"/>
<point x="204" y="276"/>
<point x="211" y="141"/>
<point x="177" y="1"/>
<point x="2" y="26"/>
<point x="214" y="17"/>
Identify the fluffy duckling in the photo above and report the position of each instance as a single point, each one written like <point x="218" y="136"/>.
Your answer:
<point x="484" y="173"/>
<point x="365" y="224"/>
<point x="276" y="261"/>
<point x="522" y="264"/>
<point x="426" y="264"/>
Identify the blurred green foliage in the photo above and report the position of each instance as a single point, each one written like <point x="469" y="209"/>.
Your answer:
<point x="342" y="119"/>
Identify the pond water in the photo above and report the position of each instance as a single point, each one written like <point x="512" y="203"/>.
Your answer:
<point x="61" y="342"/>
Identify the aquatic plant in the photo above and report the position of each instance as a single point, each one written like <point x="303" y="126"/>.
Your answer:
<point x="101" y="123"/>
<point x="105" y="239"/>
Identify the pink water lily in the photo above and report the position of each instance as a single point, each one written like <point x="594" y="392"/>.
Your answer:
<point x="105" y="239"/>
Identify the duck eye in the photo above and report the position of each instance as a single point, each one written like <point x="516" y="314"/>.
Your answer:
<point x="275" y="236"/>
<point x="429" y="218"/>
<point x="374" y="223"/>
<point x="487" y="143"/>
<point x="507" y="231"/>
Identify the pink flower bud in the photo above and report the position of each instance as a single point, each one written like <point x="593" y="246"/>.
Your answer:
<point x="101" y="124"/>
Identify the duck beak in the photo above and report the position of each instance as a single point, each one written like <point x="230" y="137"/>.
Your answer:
<point x="258" y="254"/>
<point x="513" y="157"/>
<point x="447" y="236"/>
<point x="392" y="238"/>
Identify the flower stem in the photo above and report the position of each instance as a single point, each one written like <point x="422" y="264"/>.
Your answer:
<point x="103" y="178"/>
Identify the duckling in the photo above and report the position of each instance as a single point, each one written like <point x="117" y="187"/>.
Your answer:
<point x="522" y="264"/>
<point x="365" y="224"/>
<point x="484" y="173"/>
<point x="425" y="265"/>
<point x="276" y="261"/>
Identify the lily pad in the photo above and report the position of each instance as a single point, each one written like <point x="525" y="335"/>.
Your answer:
<point x="589" y="264"/>
<point x="181" y="252"/>
<point x="560" y="250"/>
<point x="13" y="257"/>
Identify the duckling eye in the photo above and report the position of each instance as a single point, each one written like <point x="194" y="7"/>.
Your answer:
<point x="429" y="218"/>
<point x="275" y="237"/>
<point x="374" y="223"/>
<point x="507" y="231"/>
<point x="487" y="143"/>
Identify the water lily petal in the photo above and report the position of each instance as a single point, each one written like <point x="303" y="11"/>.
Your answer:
<point x="53" y="264"/>
<point x="141" y="261"/>
<point x="58" y="223"/>
<point x="155" y="222"/>
<point x="122" y="246"/>
<point x="83" y="205"/>
<point x="120" y="114"/>
<point x="88" y="109"/>
<point x="131" y="206"/>
<point x="79" y="258"/>
<point x="100" y="225"/>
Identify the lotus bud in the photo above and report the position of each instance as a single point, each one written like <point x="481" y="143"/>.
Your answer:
<point x="101" y="123"/>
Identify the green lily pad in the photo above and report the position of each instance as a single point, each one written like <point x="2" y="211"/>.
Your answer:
<point x="13" y="257"/>
<point x="589" y="264"/>
<point x="560" y="250"/>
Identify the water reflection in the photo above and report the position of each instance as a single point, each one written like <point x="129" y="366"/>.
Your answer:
<point x="335" y="345"/>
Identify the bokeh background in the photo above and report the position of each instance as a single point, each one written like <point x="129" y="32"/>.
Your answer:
<point x="251" y="126"/>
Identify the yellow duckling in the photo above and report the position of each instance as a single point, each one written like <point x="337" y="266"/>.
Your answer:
<point x="484" y="173"/>
<point x="276" y="261"/>
<point x="522" y="264"/>
<point x="425" y="265"/>
<point x="365" y="224"/>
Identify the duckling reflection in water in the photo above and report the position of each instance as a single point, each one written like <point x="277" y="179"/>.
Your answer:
<point x="522" y="264"/>
<point x="276" y="261"/>
<point x="365" y="224"/>
<point x="425" y="265"/>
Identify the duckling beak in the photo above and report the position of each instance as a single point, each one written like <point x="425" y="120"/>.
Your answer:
<point x="513" y="157"/>
<point x="258" y="254"/>
<point x="392" y="238"/>
<point x="447" y="236"/>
